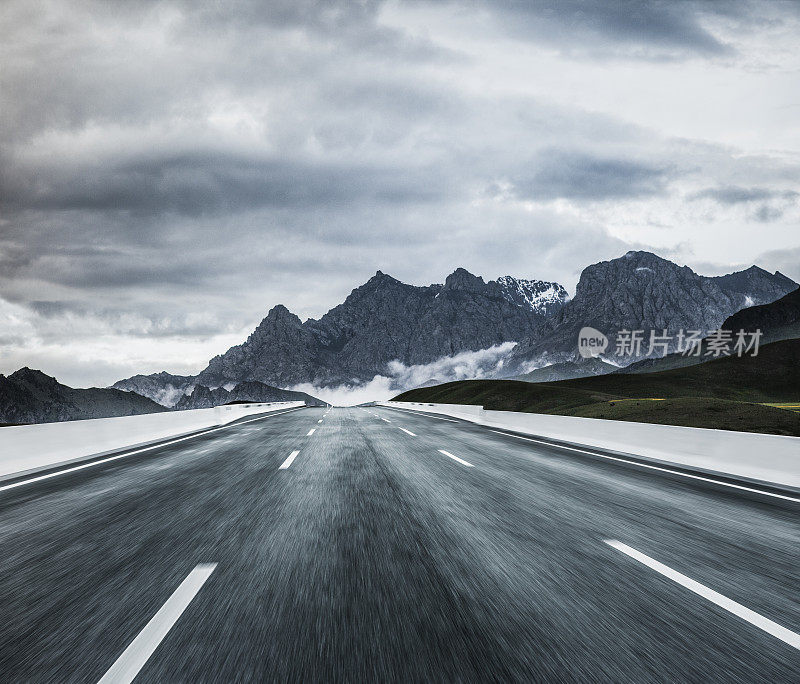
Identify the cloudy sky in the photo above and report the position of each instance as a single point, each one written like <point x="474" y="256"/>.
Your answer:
<point x="171" y="170"/>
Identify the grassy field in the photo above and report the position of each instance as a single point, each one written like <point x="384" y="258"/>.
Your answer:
<point x="727" y="394"/>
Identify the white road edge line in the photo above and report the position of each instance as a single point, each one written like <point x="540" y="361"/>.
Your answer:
<point x="137" y="451"/>
<point x="133" y="658"/>
<point x="653" y="467"/>
<point x="311" y="432"/>
<point x="408" y="432"/>
<point x="417" y="413"/>
<point x="288" y="461"/>
<point x="456" y="458"/>
<point x="770" y="627"/>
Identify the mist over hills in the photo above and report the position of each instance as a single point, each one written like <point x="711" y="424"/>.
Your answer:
<point x="381" y="323"/>
<point x="409" y="335"/>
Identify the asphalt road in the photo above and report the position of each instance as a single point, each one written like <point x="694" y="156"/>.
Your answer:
<point x="371" y="555"/>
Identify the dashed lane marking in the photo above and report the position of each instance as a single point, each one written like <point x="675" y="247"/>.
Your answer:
<point x="456" y="458"/>
<point x="133" y="658"/>
<point x="765" y="624"/>
<point x="288" y="461"/>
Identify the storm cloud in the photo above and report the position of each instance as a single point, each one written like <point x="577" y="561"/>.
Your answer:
<point x="648" y="28"/>
<point x="736" y="195"/>
<point x="576" y="175"/>
<point x="169" y="171"/>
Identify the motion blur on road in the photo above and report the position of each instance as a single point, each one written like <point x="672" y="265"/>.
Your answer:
<point x="373" y="544"/>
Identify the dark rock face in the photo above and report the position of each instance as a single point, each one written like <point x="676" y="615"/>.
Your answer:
<point x="279" y="349"/>
<point x="164" y="388"/>
<point x="30" y="396"/>
<point x="754" y="287"/>
<point x="203" y="397"/>
<point x="385" y="320"/>
<point x="641" y="291"/>
<point x="778" y="320"/>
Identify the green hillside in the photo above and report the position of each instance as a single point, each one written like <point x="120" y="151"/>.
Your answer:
<point x="727" y="393"/>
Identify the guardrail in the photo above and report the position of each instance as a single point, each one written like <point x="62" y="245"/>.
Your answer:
<point x="32" y="448"/>
<point x="765" y="459"/>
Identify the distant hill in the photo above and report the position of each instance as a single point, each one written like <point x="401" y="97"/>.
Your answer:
<point x="778" y="320"/>
<point x="726" y="393"/>
<point x="30" y="396"/>
<point x="203" y="397"/>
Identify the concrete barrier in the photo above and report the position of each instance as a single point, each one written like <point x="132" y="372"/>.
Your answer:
<point x="765" y="459"/>
<point x="28" y="449"/>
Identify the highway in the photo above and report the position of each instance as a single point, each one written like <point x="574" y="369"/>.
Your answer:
<point x="374" y="544"/>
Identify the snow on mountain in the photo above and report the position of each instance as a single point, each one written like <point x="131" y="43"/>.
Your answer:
<point x="539" y="296"/>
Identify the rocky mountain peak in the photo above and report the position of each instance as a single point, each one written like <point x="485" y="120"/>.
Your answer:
<point x="280" y="313"/>
<point x="462" y="279"/>
<point x="540" y="296"/>
<point x="642" y="291"/>
<point x="639" y="256"/>
<point x="380" y="278"/>
<point x="31" y="376"/>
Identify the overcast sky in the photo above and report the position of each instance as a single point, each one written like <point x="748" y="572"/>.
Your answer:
<point x="169" y="171"/>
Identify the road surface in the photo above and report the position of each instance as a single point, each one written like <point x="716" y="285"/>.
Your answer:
<point x="378" y="544"/>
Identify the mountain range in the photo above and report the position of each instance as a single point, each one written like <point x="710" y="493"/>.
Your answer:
<point x="385" y="327"/>
<point x="204" y="397"/>
<point x="642" y="291"/>
<point x="380" y="322"/>
<point x="30" y="396"/>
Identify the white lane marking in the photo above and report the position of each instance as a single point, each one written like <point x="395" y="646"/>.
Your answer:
<point x="408" y="432"/>
<point x="417" y="413"/>
<point x="133" y="658"/>
<point x="456" y="458"/>
<point x="770" y="627"/>
<point x="137" y="451"/>
<point x="386" y="420"/>
<point x="653" y="467"/>
<point x="288" y="461"/>
<point x="311" y="432"/>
